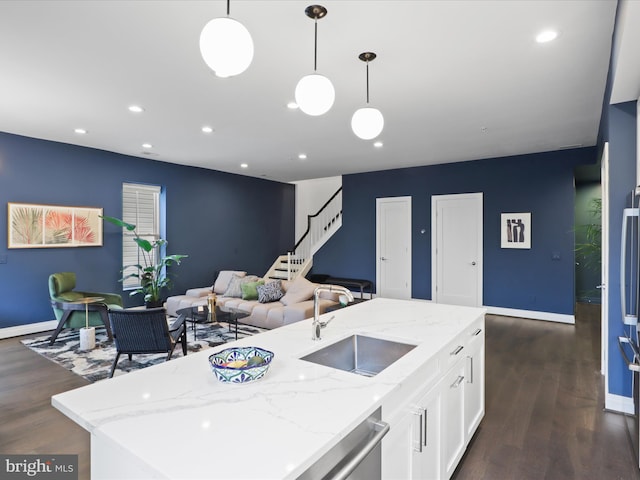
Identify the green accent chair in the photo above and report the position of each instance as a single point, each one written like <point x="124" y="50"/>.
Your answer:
<point x="72" y="315"/>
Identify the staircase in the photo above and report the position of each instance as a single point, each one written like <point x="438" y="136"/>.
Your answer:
<point x="320" y="227"/>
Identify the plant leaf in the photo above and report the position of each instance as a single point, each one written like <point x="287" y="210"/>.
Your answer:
<point x="144" y="244"/>
<point x="118" y="222"/>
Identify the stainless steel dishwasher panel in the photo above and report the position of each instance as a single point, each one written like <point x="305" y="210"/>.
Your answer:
<point x="358" y="456"/>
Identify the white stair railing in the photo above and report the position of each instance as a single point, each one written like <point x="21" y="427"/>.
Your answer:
<point x="320" y="227"/>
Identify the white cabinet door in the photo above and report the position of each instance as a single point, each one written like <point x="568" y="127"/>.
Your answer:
<point x="427" y="437"/>
<point x="427" y="440"/>
<point x="397" y="448"/>
<point x="453" y="426"/>
<point x="474" y="386"/>
<point x="412" y="448"/>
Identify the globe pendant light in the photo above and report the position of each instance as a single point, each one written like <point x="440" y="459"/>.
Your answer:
<point x="226" y="46"/>
<point x="315" y="93"/>
<point x="367" y="122"/>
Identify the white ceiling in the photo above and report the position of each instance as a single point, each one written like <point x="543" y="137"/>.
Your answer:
<point x="626" y="71"/>
<point x="455" y="80"/>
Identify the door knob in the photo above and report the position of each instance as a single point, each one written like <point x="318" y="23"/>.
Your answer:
<point x="473" y="263"/>
<point x="383" y="258"/>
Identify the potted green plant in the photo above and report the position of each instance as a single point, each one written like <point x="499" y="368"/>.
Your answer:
<point x="152" y="274"/>
<point x="588" y="249"/>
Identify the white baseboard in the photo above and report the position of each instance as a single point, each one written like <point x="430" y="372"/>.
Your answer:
<point x="532" y="314"/>
<point x="28" y="329"/>
<point x="618" y="403"/>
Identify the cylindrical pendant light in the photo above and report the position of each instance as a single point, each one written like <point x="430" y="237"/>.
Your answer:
<point x="226" y="46"/>
<point x="367" y="122"/>
<point x="315" y="93"/>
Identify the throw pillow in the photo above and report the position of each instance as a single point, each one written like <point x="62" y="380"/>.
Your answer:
<point x="270" y="292"/>
<point x="299" y="290"/>
<point x="234" y="289"/>
<point x="224" y="278"/>
<point x="250" y="290"/>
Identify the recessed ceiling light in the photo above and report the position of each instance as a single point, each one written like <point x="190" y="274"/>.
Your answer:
<point x="207" y="129"/>
<point x="80" y="131"/>
<point x="136" y="109"/>
<point x="546" y="36"/>
<point x="378" y="144"/>
<point x="292" y="105"/>
<point x="244" y="165"/>
<point x="147" y="145"/>
<point x="302" y="156"/>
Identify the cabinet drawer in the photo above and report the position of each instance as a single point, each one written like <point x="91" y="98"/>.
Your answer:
<point x="454" y="351"/>
<point x="403" y="398"/>
<point x="475" y="334"/>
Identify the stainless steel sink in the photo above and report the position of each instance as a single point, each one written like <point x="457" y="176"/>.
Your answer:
<point x="360" y="354"/>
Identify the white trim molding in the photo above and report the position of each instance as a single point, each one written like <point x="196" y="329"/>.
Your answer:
<point x="532" y="314"/>
<point x="618" y="403"/>
<point x="30" y="328"/>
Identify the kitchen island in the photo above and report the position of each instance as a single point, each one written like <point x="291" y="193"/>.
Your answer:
<point x="176" y="420"/>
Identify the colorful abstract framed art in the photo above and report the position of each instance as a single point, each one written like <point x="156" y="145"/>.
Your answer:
<point x="50" y="226"/>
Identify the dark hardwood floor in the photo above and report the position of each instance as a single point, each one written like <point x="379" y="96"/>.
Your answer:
<point x="544" y="406"/>
<point x="28" y="422"/>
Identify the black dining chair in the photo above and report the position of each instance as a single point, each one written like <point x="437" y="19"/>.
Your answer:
<point x="145" y="331"/>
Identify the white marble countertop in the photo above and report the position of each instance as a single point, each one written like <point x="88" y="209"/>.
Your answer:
<point x="182" y="423"/>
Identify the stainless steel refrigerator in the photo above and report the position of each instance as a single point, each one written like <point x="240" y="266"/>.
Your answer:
<point x="628" y="342"/>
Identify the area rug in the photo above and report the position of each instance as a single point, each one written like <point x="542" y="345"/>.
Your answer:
<point x="95" y="364"/>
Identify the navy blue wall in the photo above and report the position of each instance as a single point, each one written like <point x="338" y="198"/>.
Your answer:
<point x="222" y="221"/>
<point x="542" y="184"/>
<point x="621" y="134"/>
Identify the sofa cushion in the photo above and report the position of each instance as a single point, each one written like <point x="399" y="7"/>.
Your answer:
<point x="234" y="289"/>
<point x="174" y="303"/>
<point x="299" y="290"/>
<point x="250" y="290"/>
<point x="228" y="302"/>
<point x="270" y="292"/>
<point x="224" y="277"/>
<point x="199" y="292"/>
<point x="260" y="311"/>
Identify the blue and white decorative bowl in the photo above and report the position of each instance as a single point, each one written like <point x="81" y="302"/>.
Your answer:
<point x="256" y="368"/>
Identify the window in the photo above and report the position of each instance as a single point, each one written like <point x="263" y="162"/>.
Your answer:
<point x="141" y="207"/>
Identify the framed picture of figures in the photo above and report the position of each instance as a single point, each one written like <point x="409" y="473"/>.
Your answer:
<point x="515" y="230"/>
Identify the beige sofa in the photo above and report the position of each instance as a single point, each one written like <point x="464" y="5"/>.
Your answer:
<point x="296" y="304"/>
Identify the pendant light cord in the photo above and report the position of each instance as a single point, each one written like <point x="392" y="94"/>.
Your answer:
<point x="315" y="48"/>
<point x="367" y="82"/>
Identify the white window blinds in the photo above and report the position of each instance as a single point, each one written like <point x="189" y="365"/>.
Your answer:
<point x="141" y="207"/>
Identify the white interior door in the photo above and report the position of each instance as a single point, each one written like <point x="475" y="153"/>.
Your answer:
<point x="456" y="230"/>
<point x="393" y="247"/>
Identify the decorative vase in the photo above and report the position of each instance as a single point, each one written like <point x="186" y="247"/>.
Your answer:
<point x="211" y="306"/>
<point x="87" y="338"/>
